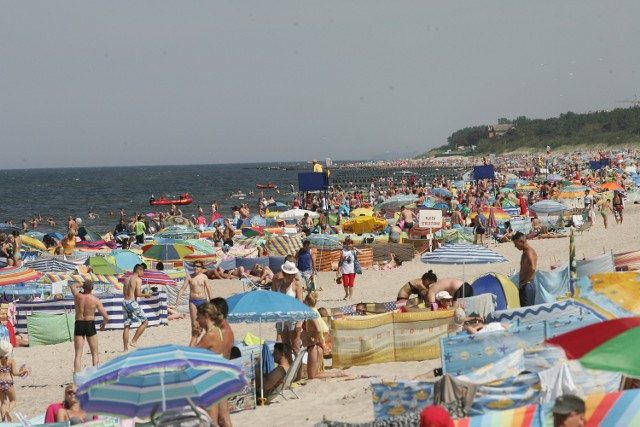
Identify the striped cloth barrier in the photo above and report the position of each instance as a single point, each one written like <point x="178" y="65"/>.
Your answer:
<point x="327" y="259"/>
<point x="155" y="309"/>
<point x="81" y="277"/>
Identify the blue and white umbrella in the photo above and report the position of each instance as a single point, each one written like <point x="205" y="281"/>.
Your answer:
<point x="547" y="207"/>
<point x="266" y="306"/>
<point x="462" y="253"/>
<point x="397" y="201"/>
<point x="133" y="384"/>
<point x="442" y="192"/>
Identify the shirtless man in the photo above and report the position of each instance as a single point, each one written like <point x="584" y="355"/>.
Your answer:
<point x="528" y="266"/>
<point x="85" y="325"/>
<point x="131" y="310"/>
<point x="418" y="286"/>
<point x="199" y="293"/>
<point x="72" y="226"/>
<point x="408" y="216"/>
<point x="228" y="233"/>
<point x="455" y="287"/>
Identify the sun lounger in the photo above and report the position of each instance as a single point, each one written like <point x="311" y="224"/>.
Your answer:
<point x="249" y="284"/>
<point x="585" y="226"/>
<point x="288" y="379"/>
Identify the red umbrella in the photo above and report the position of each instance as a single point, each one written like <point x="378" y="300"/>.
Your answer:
<point x="151" y="277"/>
<point x="609" y="346"/>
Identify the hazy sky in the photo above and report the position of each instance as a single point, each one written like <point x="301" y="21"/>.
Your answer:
<point x="86" y="83"/>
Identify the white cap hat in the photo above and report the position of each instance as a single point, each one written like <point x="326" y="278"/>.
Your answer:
<point x="443" y="295"/>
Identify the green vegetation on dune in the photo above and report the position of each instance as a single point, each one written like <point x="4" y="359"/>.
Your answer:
<point x="569" y="131"/>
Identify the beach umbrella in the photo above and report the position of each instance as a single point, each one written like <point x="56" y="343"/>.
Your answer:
<point x="151" y="277"/>
<point x="100" y="265"/>
<point x="276" y="205"/>
<point x="517" y="182"/>
<point x="54" y="235"/>
<point x="166" y="251"/>
<point x="498" y="213"/>
<point x="612" y="186"/>
<point x="364" y="224"/>
<point x="547" y="207"/>
<point x="126" y="260"/>
<point x="88" y="235"/>
<point x="178" y="232"/>
<point x="462" y="253"/>
<point x="50" y="264"/>
<point x="297" y="214"/>
<point x="32" y="243"/>
<point x="252" y="231"/>
<point x="361" y="212"/>
<point x="397" y="201"/>
<point x="136" y="383"/>
<point x="178" y="220"/>
<point x="14" y="275"/>
<point x="554" y="177"/>
<point x="442" y="192"/>
<point x="528" y="187"/>
<point x="266" y="306"/>
<point x="325" y="241"/>
<point x="611" y="345"/>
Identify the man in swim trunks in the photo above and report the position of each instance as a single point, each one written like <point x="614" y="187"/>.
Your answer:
<point x="130" y="308"/>
<point x="85" y="325"/>
<point x="408" y="216"/>
<point x="199" y="293"/>
<point x="455" y="287"/>
<point x="528" y="266"/>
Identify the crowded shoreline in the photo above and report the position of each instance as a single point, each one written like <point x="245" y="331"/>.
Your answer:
<point x="349" y="398"/>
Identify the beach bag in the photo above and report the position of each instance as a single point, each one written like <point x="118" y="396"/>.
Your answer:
<point x="356" y="265"/>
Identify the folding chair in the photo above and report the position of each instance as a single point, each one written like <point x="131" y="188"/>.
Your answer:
<point x="288" y="379"/>
<point x="248" y="284"/>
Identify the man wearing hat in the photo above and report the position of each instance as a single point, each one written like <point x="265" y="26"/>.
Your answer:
<point x="85" y="325"/>
<point x="569" y="411"/>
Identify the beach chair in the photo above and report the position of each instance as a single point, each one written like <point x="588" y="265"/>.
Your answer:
<point x="248" y="284"/>
<point x="585" y="226"/>
<point x="187" y="416"/>
<point x="292" y="374"/>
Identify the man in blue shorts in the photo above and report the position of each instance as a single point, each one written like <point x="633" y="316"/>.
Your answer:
<point x="130" y="308"/>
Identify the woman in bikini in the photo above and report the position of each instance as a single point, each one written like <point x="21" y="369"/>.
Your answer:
<point x="71" y="410"/>
<point x="210" y="320"/>
<point x="262" y="273"/>
<point x="313" y="339"/>
<point x="289" y="332"/>
<point x="7" y="372"/>
<point x="418" y="287"/>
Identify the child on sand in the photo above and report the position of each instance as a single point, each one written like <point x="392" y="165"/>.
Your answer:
<point x="7" y="372"/>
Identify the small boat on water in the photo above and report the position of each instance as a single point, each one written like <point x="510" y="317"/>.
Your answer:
<point x="183" y="200"/>
<point x="267" y="185"/>
<point x="238" y="195"/>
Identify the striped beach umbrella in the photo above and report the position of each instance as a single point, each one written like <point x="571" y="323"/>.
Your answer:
<point x="547" y="207"/>
<point x="14" y="275"/>
<point x="462" y="253"/>
<point x="609" y="346"/>
<point x="135" y="384"/>
<point x="166" y="251"/>
<point x="151" y="277"/>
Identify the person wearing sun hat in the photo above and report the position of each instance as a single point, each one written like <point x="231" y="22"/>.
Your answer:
<point x="289" y="284"/>
<point x="569" y="411"/>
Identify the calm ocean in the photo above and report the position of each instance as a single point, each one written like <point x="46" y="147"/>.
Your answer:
<point x="59" y="193"/>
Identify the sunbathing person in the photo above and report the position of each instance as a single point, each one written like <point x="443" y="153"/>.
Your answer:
<point x="480" y="327"/>
<point x="394" y="262"/>
<point x="219" y="273"/>
<point x="71" y="411"/>
<point x="418" y="287"/>
<point x="261" y="274"/>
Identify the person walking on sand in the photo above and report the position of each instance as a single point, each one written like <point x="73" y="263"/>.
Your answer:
<point x="86" y="305"/>
<point x="199" y="293"/>
<point x="346" y="267"/>
<point x="130" y="309"/>
<point x="528" y="266"/>
<point x="7" y="371"/>
<point x="604" y="207"/>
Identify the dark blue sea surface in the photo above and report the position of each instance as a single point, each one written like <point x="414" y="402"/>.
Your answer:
<point x="59" y="193"/>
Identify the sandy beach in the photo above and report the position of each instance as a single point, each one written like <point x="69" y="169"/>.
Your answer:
<point x="347" y="399"/>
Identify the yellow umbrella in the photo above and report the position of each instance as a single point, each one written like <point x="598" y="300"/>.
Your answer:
<point x="361" y="212"/>
<point x="32" y="242"/>
<point x="364" y="224"/>
<point x="529" y="187"/>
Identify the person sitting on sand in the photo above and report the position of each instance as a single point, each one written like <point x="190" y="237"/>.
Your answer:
<point x="507" y="235"/>
<point x="313" y="339"/>
<point x="418" y="286"/>
<point x="455" y="287"/>
<point x="71" y="411"/>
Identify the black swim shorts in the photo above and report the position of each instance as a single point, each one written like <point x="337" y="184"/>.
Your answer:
<point x="85" y="328"/>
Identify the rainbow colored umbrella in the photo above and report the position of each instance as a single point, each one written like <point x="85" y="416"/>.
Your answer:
<point x="14" y="275"/>
<point x="609" y="346"/>
<point x="166" y="251"/>
<point x="499" y="213"/>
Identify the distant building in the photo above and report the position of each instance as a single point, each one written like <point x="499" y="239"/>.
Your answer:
<point x="496" y="131"/>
